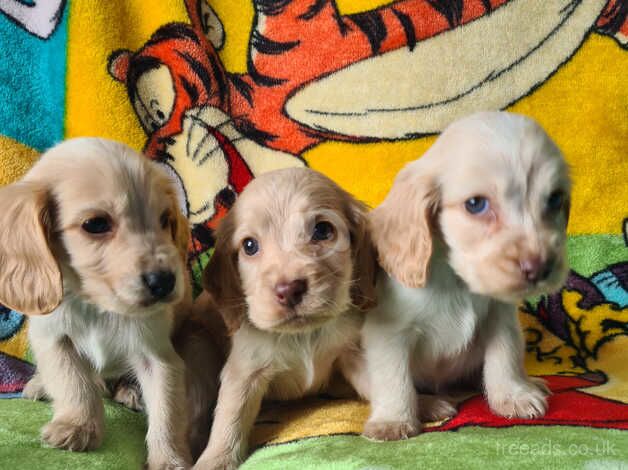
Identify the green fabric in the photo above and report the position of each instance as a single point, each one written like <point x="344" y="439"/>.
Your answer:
<point x="591" y="253"/>
<point x="520" y="447"/>
<point x="473" y="447"/>
<point x="21" y="448"/>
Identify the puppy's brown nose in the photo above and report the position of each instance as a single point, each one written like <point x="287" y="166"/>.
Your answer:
<point x="291" y="293"/>
<point x="535" y="269"/>
<point x="159" y="283"/>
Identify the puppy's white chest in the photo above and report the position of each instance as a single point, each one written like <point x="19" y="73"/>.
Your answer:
<point x="108" y="341"/>
<point x="307" y="364"/>
<point x="106" y="355"/>
<point x="306" y="373"/>
<point x="449" y="326"/>
<point x="443" y="318"/>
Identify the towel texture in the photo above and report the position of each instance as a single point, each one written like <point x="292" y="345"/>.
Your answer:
<point x="219" y="91"/>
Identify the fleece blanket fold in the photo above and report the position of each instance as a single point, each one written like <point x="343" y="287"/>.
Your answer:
<point x="219" y="91"/>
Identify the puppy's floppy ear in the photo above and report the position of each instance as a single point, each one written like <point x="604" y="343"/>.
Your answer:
<point x="364" y="258"/>
<point x="401" y="226"/>
<point x="30" y="278"/>
<point x="222" y="279"/>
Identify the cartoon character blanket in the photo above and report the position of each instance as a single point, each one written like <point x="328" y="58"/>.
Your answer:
<point x="219" y="91"/>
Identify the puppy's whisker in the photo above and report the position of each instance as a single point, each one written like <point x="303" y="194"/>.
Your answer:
<point x="325" y="276"/>
<point x="234" y="303"/>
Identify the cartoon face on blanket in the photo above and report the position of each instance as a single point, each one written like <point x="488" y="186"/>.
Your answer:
<point x="312" y="72"/>
<point x="179" y="92"/>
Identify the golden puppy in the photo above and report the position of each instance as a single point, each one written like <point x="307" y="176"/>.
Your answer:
<point x="292" y="267"/>
<point x="95" y="254"/>
<point x="468" y="230"/>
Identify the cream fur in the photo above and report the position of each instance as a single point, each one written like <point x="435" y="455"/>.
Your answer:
<point x="106" y="324"/>
<point x="284" y="352"/>
<point x="446" y="310"/>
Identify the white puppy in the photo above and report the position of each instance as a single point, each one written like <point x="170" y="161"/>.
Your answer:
<point x="474" y="226"/>
<point x="96" y="255"/>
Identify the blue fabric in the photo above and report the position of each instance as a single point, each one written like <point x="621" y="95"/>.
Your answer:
<point x="612" y="286"/>
<point x="10" y="322"/>
<point x="34" y="64"/>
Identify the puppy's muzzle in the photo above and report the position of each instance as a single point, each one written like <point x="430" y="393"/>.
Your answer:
<point x="291" y="293"/>
<point x="159" y="283"/>
<point x="535" y="270"/>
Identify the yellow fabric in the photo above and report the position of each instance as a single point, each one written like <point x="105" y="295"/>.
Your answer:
<point x="96" y="105"/>
<point x="15" y="160"/>
<point x="16" y="345"/>
<point x="596" y="138"/>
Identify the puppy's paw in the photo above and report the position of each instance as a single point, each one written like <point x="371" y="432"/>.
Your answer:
<point x="180" y="465"/>
<point x="129" y="395"/>
<point x="526" y="400"/>
<point x="34" y="389"/>
<point x="390" y="431"/>
<point x="223" y="462"/>
<point x="68" y="435"/>
<point x="433" y="408"/>
<point x="540" y="384"/>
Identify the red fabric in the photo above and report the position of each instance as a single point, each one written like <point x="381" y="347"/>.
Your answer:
<point x="567" y="406"/>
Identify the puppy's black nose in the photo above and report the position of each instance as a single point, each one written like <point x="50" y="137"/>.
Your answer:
<point x="536" y="270"/>
<point x="291" y="293"/>
<point x="159" y="283"/>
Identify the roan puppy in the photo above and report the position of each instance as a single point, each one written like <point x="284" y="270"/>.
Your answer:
<point x="466" y="232"/>
<point x="293" y="265"/>
<point x="95" y="254"/>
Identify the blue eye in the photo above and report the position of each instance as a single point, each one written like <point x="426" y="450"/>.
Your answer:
<point x="476" y="205"/>
<point x="250" y="246"/>
<point x="555" y="201"/>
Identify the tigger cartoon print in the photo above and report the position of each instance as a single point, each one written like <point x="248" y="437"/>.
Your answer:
<point x="309" y="69"/>
<point x="178" y="90"/>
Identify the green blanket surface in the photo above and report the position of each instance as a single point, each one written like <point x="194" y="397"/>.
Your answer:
<point x="470" y="448"/>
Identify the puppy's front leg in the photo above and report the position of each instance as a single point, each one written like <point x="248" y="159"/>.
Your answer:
<point x="34" y="389"/>
<point x="78" y="420"/>
<point x="162" y="382"/>
<point x="394" y="404"/>
<point x="239" y="399"/>
<point x="509" y="390"/>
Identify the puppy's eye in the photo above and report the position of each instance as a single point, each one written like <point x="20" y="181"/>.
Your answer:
<point x="164" y="219"/>
<point x="476" y="205"/>
<point x="322" y="231"/>
<point x="555" y="201"/>
<point x="250" y="246"/>
<point x="97" y="225"/>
